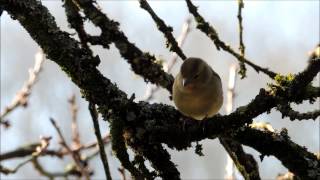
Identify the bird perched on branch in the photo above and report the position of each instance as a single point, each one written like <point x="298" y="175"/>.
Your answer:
<point x="197" y="89"/>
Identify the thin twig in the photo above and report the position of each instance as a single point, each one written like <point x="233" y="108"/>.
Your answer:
<point x="43" y="145"/>
<point x="27" y="150"/>
<point x="76" y="157"/>
<point x="242" y="70"/>
<point x="103" y="155"/>
<point x="122" y="173"/>
<point x="151" y="89"/>
<point x="166" y="30"/>
<point x="21" y="98"/>
<point x="206" y="28"/>
<point x="42" y="171"/>
<point x="74" y="124"/>
<point x="5" y="170"/>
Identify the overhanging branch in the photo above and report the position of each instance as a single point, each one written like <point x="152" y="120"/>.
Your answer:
<point x="160" y="123"/>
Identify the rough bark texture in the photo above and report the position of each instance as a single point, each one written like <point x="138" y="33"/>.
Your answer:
<point x="143" y="126"/>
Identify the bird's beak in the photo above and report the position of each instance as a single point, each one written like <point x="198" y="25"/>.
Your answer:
<point x="185" y="82"/>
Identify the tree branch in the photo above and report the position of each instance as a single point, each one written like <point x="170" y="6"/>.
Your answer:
<point x="296" y="158"/>
<point x="243" y="69"/>
<point x="213" y="35"/>
<point x="287" y="111"/>
<point x="244" y="162"/>
<point x="76" y="22"/>
<point x="103" y="155"/>
<point x="76" y="157"/>
<point x="161" y="123"/>
<point x="166" y="30"/>
<point x="21" y="98"/>
<point x="142" y="63"/>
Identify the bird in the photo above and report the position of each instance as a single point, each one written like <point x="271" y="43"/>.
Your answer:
<point x="197" y="89"/>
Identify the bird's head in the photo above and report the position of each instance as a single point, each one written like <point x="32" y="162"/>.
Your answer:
<point x="195" y="73"/>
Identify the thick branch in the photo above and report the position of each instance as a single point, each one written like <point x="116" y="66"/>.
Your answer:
<point x="161" y="122"/>
<point x="76" y="21"/>
<point x="299" y="161"/>
<point x="141" y="63"/>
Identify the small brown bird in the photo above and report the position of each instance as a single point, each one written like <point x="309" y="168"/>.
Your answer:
<point x="197" y="89"/>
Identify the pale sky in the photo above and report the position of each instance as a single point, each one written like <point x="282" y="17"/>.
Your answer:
<point x="277" y="34"/>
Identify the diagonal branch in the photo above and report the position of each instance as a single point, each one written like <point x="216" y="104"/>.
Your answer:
<point x="244" y="162"/>
<point x="76" y="157"/>
<point x="299" y="161"/>
<point x="76" y="21"/>
<point x="287" y="111"/>
<point x="151" y="89"/>
<point x="166" y="30"/>
<point x="142" y="63"/>
<point x="103" y="155"/>
<point x="213" y="35"/>
<point x="162" y="123"/>
<point x="21" y="98"/>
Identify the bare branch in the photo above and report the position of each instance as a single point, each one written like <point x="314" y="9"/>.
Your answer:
<point x="103" y="155"/>
<point x="287" y="111"/>
<point x="21" y="98"/>
<point x="74" y="126"/>
<point x="166" y="124"/>
<point x="242" y="71"/>
<point x="142" y="63"/>
<point x="213" y="35"/>
<point x="38" y="150"/>
<point x="52" y="175"/>
<point x="76" y="22"/>
<point x="244" y="162"/>
<point x="76" y="157"/>
<point x="166" y="30"/>
<point x="151" y="89"/>
<point x="29" y="149"/>
<point x="122" y="172"/>
<point x="304" y="164"/>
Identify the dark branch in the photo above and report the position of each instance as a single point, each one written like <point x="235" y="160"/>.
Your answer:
<point x="161" y="123"/>
<point x="166" y="30"/>
<point x="287" y="111"/>
<point x="142" y="63"/>
<point x="296" y="158"/>
<point x="27" y="151"/>
<point x="160" y="160"/>
<point x="213" y="35"/>
<point x="245" y="163"/>
<point x="243" y="69"/>
<point x="103" y="155"/>
<point x="76" y="22"/>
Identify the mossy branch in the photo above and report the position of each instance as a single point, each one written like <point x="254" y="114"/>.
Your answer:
<point x="142" y="63"/>
<point x="162" y="123"/>
<point x="209" y="30"/>
<point x="172" y="44"/>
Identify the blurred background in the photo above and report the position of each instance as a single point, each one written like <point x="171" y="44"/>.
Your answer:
<point x="277" y="35"/>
